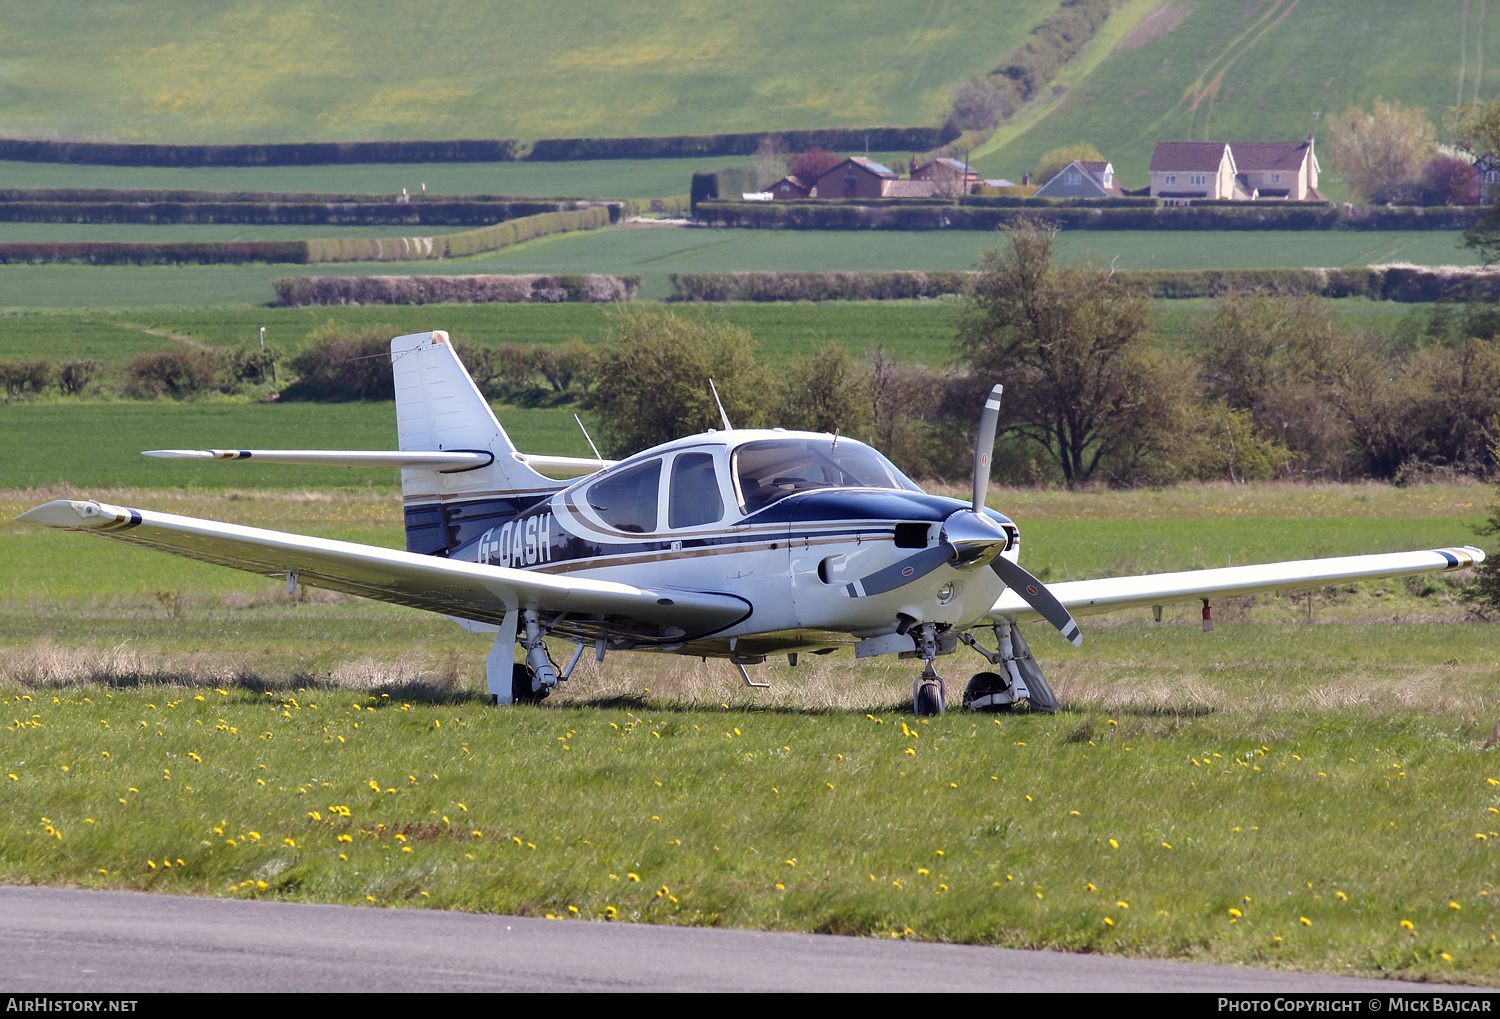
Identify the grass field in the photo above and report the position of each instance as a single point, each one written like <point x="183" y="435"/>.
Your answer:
<point x="920" y="331"/>
<point x="655" y="252"/>
<point x="1277" y="70"/>
<point x="1276" y="794"/>
<point x="174" y="71"/>
<point x="608" y="178"/>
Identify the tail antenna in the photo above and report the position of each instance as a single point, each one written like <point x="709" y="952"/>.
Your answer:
<point x="585" y="432"/>
<point x="723" y="416"/>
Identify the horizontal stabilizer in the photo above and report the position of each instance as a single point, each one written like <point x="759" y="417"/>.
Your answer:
<point x="563" y="464"/>
<point x="446" y="461"/>
<point x="1088" y="597"/>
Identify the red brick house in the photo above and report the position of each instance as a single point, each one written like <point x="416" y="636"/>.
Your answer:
<point x="789" y="187"/>
<point x="855" y="177"/>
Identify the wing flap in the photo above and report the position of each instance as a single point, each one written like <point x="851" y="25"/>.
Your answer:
<point x="1090" y="597"/>
<point x="469" y="590"/>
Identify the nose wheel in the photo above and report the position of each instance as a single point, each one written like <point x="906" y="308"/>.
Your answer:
<point x="928" y="693"/>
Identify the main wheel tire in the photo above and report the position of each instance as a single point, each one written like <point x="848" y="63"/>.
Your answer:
<point x="979" y="694"/>
<point x="928" y="700"/>
<point x="520" y="686"/>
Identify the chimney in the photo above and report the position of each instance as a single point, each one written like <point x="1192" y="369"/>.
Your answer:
<point x="1026" y="180"/>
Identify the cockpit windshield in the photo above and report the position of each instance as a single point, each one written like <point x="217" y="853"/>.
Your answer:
<point x="767" y="471"/>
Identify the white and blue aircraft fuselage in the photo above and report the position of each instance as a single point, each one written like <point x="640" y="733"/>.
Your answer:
<point x="736" y="544"/>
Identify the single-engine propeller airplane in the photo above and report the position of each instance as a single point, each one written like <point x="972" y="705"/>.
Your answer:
<point x="737" y="544"/>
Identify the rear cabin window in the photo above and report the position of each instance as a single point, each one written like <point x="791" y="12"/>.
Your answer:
<point x="627" y="501"/>
<point x="772" y="470"/>
<point x="693" y="496"/>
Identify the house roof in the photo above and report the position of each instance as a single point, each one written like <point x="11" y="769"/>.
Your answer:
<point x="1094" y="171"/>
<point x="1254" y="157"/>
<point x="909" y="189"/>
<point x="1261" y="156"/>
<point x="878" y="169"/>
<point x="1185" y="157"/>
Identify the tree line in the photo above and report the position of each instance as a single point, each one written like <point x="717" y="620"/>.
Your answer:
<point x="1266" y="385"/>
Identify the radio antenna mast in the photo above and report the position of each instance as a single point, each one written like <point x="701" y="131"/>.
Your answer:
<point x="585" y="432"/>
<point x="725" y="417"/>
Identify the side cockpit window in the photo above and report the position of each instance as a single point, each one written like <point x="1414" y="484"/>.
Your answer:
<point x="627" y="501"/>
<point x="694" y="498"/>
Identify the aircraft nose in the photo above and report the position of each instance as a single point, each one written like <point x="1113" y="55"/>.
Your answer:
<point x="974" y="538"/>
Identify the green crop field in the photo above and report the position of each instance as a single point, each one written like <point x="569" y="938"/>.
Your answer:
<point x="910" y="330"/>
<point x="1223" y="69"/>
<point x="654" y="252"/>
<point x="175" y="71"/>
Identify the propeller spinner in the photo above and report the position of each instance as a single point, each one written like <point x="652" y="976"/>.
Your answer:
<point x="970" y="540"/>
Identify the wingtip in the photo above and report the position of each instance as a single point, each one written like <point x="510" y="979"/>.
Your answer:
<point x="75" y="513"/>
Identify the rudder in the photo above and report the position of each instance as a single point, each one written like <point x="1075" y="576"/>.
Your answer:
<point x="438" y="407"/>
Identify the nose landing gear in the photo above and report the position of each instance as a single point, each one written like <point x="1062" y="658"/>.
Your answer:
<point x="928" y="692"/>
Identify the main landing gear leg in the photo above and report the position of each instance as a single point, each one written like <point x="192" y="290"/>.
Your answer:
<point x="1018" y="684"/>
<point x="928" y="692"/>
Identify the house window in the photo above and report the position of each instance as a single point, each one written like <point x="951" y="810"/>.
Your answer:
<point x="1492" y="176"/>
<point x="1170" y="178"/>
<point x="1108" y="178"/>
<point x="1275" y="178"/>
<point x="851" y="184"/>
<point x="1198" y="178"/>
<point x="1073" y="177"/>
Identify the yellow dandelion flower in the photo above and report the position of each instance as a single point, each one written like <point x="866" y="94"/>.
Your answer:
<point x="922" y="871"/>
<point x="1089" y="887"/>
<point x="1113" y="844"/>
<point x="1123" y="904"/>
<point x="1341" y="896"/>
<point x="1108" y="922"/>
<point x="1454" y="905"/>
<point x="1305" y="921"/>
<point x="1166" y="845"/>
<point x="1235" y="913"/>
<point x="632" y="876"/>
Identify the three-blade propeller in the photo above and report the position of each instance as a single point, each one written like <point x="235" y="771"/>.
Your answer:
<point x="970" y="539"/>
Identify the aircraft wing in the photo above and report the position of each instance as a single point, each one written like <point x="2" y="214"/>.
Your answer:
<point x="467" y="590"/>
<point x="1089" y="597"/>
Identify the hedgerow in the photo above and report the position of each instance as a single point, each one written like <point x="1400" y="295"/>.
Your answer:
<point x="296" y="291"/>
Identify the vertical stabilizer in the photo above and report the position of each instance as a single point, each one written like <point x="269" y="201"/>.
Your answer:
<point x="439" y="408"/>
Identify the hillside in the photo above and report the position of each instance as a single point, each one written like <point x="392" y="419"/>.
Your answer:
<point x="315" y="70"/>
<point x="1251" y="69"/>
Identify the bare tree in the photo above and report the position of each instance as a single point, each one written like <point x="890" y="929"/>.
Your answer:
<point x="1381" y="153"/>
<point x="770" y="162"/>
